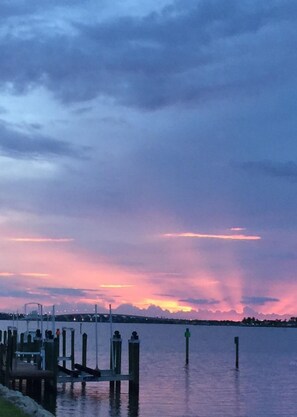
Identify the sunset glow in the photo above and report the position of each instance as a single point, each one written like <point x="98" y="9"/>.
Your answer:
<point x="157" y="175"/>
<point x="115" y="286"/>
<point x="172" y="306"/>
<point x="34" y="274"/>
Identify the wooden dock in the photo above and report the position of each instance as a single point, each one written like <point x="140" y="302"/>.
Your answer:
<point x="24" y="370"/>
<point x="37" y="359"/>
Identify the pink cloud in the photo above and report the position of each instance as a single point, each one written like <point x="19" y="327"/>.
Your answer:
<point x="211" y="236"/>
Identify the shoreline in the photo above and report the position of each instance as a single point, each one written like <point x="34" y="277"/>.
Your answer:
<point x="135" y="319"/>
<point x="24" y="403"/>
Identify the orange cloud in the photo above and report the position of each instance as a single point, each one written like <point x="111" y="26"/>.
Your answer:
<point x="24" y="274"/>
<point x="34" y="274"/>
<point x="237" y="229"/>
<point x="170" y="305"/>
<point x="210" y="236"/>
<point x="116" y="286"/>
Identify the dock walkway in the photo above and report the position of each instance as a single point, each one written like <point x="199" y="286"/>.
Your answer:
<point x="24" y="370"/>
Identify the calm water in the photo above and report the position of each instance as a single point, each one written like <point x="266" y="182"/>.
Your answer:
<point x="210" y="386"/>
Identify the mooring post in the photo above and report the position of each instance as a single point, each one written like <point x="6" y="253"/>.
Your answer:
<point x="187" y="336"/>
<point x="0" y="336"/>
<point x="236" y="341"/>
<point x="21" y="342"/>
<point x="51" y="335"/>
<point x="5" y="337"/>
<point x="134" y="362"/>
<point x="15" y="340"/>
<point x="9" y="355"/>
<point x="9" y="335"/>
<point x="116" y="361"/>
<point x="37" y="343"/>
<point x="51" y="361"/>
<point x="10" y="346"/>
<point x="56" y="354"/>
<point x="84" y="349"/>
<point x="72" y="348"/>
<point x="1" y="357"/>
<point x="96" y="334"/>
<point x="117" y="351"/>
<point x="64" y="346"/>
<point x="48" y="349"/>
<point x="2" y="364"/>
<point x="29" y="347"/>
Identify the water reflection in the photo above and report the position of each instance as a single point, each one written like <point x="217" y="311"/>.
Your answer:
<point x="187" y="389"/>
<point x="237" y="393"/>
<point x="39" y="392"/>
<point x="115" y="401"/>
<point x="93" y="399"/>
<point x="133" y="404"/>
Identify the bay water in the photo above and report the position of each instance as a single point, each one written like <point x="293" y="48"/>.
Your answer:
<point x="209" y="386"/>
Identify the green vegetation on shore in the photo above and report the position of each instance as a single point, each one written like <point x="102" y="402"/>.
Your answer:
<point x="10" y="410"/>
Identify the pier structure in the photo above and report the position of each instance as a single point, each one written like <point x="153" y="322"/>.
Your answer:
<point x="36" y="360"/>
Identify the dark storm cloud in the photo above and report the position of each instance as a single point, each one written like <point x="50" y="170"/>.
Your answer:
<point x="14" y="293"/>
<point x="20" y="8"/>
<point x="17" y="287"/>
<point x="258" y="300"/>
<point x="24" y="8"/>
<point x="22" y="145"/>
<point x="286" y="170"/>
<point x="206" y="50"/>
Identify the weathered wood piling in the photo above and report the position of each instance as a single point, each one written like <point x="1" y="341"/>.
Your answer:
<point x="134" y="362"/>
<point x="116" y="357"/>
<point x="84" y="349"/>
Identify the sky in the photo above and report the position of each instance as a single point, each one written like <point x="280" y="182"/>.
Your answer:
<point x="148" y="157"/>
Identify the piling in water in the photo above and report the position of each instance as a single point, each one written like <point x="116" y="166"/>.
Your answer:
<point x="187" y="336"/>
<point x="236" y="341"/>
<point x="116" y="357"/>
<point x="72" y="348"/>
<point x="64" y="341"/>
<point x="21" y="346"/>
<point x="84" y="349"/>
<point x="51" y="350"/>
<point x="134" y="362"/>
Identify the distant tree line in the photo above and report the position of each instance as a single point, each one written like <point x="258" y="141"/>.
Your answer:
<point x="123" y="318"/>
<point x="252" y="321"/>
